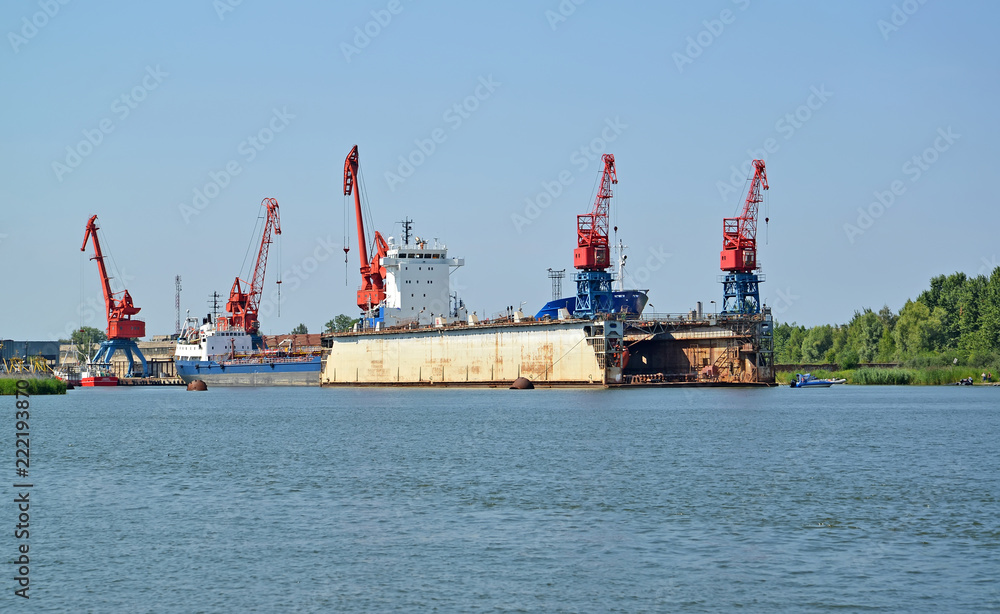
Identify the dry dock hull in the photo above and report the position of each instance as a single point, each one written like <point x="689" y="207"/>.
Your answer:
<point x="686" y="351"/>
<point x="556" y="353"/>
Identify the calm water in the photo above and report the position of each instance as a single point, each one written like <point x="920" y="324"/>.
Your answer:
<point x="273" y="500"/>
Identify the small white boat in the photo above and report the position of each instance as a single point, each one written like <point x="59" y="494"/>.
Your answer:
<point x="810" y="381"/>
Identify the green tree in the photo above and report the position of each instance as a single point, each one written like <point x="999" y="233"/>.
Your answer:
<point x="946" y="292"/>
<point x="887" y="346"/>
<point x="788" y="343"/>
<point x="848" y="359"/>
<point x="989" y="316"/>
<point x="919" y="330"/>
<point x="841" y="343"/>
<point x="341" y="323"/>
<point x="817" y="343"/>
<point x="300" y="330"/>
<point x="84" y="340"/>
<point x="971" y="307"/>
<point x="866" y="330"/>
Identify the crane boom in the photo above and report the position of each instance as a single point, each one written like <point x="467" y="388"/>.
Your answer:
<point x="244" y="297"/>
<point x="592" y="252"/>
<point x="739" y="234"/>
<point x="91" y="233"/>
<point x="119" y="311"/>
<point x="372" y="290"/>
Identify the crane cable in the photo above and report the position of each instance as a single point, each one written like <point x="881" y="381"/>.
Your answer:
<point x="278" y="282"/>
<point x="82" y="272"/>
<point x="366" y="212"/>
<point x="254" y="238"/>
<point x="767" y="215"/>
<point x="109" y="254"/>
<point x="347" y="238"/>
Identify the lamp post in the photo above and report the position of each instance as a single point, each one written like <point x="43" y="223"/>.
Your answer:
<point x="714" y="308"/>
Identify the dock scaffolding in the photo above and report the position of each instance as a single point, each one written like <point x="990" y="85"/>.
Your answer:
<point x="710" y="349"/>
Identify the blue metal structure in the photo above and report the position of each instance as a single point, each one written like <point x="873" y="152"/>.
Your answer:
<point x="110" y="346"/>
<point x="593" y="294"/>
<point x="740" y="293"/>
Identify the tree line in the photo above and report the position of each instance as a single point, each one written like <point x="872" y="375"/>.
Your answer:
<point x="955" y="321"/>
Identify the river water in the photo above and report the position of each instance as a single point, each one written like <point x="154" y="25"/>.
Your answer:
<point x="384" y="500"/>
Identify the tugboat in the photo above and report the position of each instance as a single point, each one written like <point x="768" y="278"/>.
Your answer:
<point x="68" y="374"/>
<point x="97" y="374"/>
<point x="810" y="381"/>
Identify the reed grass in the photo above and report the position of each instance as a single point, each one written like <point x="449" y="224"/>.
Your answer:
<point x="36" y="386"/>
<point x="879" y="376"/>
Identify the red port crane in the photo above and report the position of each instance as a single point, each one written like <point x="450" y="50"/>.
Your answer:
<point x="739" y="234"/>
<point x="244" y="298"/>
<point x="372" y="290"/>
<point x="592" y="252"/>
<point x="119" y="310"/>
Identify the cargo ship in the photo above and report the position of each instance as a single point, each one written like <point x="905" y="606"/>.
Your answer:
<point x="229" y="350"/>
<point x="221" y="355"/>
<point x="628" y="302"/>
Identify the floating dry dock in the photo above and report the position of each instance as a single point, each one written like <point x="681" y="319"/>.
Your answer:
<point x="657" y="350"/>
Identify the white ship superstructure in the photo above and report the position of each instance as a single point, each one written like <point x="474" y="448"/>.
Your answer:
<point x="417" y="286"/>
<point x="210" y="343"/>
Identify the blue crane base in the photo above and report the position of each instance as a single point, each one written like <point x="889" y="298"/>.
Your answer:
<point x="593" y="294"/>
<point x="740" y="293"/>
<point x="128" y="346"/>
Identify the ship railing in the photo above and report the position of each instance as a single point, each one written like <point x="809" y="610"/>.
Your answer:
<point x="299" y="349"/>
<point x="256" y="360"/>
<point x="692" y="316"/>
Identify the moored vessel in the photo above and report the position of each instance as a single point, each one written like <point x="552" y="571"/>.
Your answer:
<point x="811" y="381"/>
<point x="97" y="374"/>
<point x="224" y="356"/>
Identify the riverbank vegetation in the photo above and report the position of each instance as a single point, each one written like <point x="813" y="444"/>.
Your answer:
<point x="954" y="323"/>
<point x="901" y="376"/>
<point x="36" y="385"/>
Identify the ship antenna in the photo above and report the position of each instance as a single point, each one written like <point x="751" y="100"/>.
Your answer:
<point x="215" y="306"/>
<point x="407" y="222"/>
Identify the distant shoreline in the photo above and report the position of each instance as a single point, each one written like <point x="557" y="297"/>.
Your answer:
<point x="894" y="376"/>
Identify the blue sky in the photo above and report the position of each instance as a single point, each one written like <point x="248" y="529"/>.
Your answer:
<point x="125" y="110"/>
